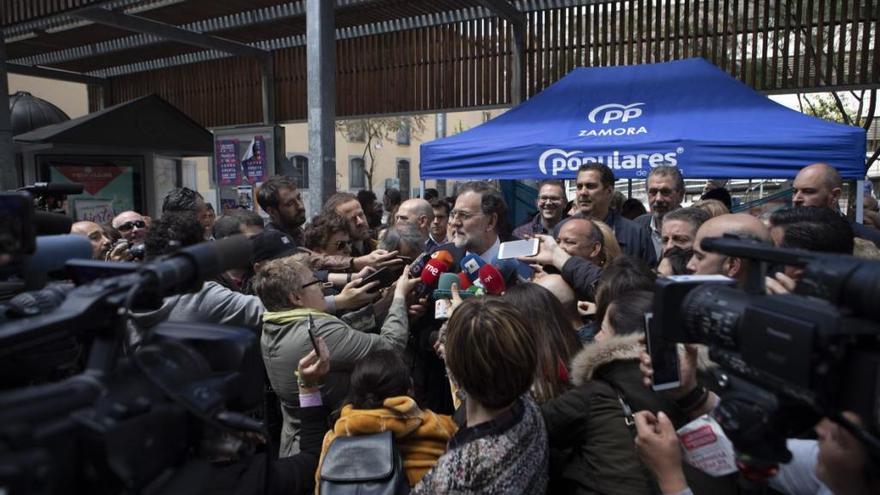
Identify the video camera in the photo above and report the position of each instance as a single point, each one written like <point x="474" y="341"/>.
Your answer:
<point x="144" y="418"/>
<point x="788" y="360"/>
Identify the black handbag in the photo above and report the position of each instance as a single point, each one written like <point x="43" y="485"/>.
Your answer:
<point x="363" y="465"/>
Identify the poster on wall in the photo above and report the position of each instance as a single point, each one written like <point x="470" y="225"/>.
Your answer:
<point x="253" y="161"/>
<point x="226" y="158"/>
<point x="113" y="184"/>
<point x="94" y="210"/>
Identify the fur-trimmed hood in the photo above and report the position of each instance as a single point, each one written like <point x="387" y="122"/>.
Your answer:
<point x="597" y="354"/>
<point x="619" y="348"/>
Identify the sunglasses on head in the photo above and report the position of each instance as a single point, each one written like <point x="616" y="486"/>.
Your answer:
<point x="130" y="225"/>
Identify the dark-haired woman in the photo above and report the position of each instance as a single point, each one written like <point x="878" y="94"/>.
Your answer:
<point x="380" y="400"/>
<point x="591" y="421"/>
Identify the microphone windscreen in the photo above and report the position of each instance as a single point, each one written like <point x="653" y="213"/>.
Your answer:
<point x="444" y="256"/>
<point x="463" y="281"/>
<point x="470" y="265"/>
<point x="418" y="265"/>
<point x="446" y="281"/>
<point x="431" y="274"/>
<point x="46" y="223"/>
<point x="492" y="280"/>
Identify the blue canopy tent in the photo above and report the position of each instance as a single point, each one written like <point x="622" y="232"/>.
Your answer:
<point x="686" y="113"/>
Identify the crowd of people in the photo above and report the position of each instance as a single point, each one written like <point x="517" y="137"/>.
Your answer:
<point x="540" y="385"/>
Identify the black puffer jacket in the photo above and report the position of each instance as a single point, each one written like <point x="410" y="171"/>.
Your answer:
<point x="592" y="445"/>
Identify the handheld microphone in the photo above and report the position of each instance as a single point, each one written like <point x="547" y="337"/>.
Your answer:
<point x="470" y="265"/>
<point x="431" y="274"/>
<point x="418" y="265"/>
<point x="464" y="283"/>
<point x="444" y="256"/>
<point x="492" y="280"/>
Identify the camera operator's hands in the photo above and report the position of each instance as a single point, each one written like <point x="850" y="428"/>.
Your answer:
<point x="549" y="253"/>
<point x="779" y="284"/>
<point x="658" y="447"/>
<point x="353" y="297"/>
<point x="315" y="366"/>
<point x="119" y="253"/>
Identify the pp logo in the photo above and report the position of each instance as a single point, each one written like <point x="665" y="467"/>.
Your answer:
<point x="615" y="111"/>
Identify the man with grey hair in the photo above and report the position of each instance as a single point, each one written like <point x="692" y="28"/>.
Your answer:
<point x="665" y="188"/>
<point x="680" y="227"/>
<point x="418" y="213"/>
<point x="405" y="238"/>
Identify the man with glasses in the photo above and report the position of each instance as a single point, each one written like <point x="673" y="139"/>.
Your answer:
<point x="132" y="226"/>
<point x="665" y="193"/>
<point x="551" y="209"/>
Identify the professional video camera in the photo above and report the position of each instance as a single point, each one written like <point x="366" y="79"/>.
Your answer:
<point x="788" y="359"/>
<point x="139" y="419"/>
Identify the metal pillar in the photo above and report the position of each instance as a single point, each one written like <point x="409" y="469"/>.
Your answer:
<point x="439" y="133"/>
<point x="8" y="171"/>
<point x="321" y="76"/>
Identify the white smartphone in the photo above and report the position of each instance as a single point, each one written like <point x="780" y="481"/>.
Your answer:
<point x="515" y="249"/>
<point x="664" y="358"/>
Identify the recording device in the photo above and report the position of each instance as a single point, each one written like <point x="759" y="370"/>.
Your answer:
<point x="789" y="359"/>
<point x="664" y="358"/>
<point x="17" y="235"/>
<point x="470" y="266"/>
<point x="49" y="196"/>
<point x="383" y="275"/>
<point x="144" y="418"/>
<point x="491" y="280"/>
<point x="515" y="249"/>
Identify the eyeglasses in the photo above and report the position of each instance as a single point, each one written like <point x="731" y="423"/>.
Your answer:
<point x="463" y="215"/>
<point x="340" y="245"/>
<point x="324" y="285"/>
<point x="549" y="199"/>
<point x="130" y="225"/>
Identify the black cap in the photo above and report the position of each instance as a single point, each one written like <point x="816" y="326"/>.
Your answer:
<point x="271" y="244"/>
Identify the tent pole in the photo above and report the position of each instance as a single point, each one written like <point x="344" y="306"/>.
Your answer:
<point x="860" y="201"/>
<point x="8" y="171"/>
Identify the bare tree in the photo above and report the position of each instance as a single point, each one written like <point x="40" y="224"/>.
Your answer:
<point x="374" y="131"/>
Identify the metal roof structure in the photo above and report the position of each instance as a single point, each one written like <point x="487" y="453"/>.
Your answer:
<point x="234" y="62"/>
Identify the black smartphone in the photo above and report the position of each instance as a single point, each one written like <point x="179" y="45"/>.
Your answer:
<point x="383" y="275"/>
<point x="312" y="335"/>
<point x="664" y="357"/>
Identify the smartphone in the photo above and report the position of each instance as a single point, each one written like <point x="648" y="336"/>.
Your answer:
<point x="515" y="249"/>
<point x="312" y="335"/>
<point x="383" y="275"/>
<point x="664" y="357"/>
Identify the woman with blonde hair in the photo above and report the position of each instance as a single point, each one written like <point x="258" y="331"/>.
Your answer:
<point x="610" y="246"/>
<point x="713" y="207"/>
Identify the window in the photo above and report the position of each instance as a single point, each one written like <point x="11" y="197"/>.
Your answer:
<point x="357" y="132"/>
<point x="403" y="177"/>
<point x="297" y="168"/>
<point x="403" y="133"/>
<point x="356" y="173"/>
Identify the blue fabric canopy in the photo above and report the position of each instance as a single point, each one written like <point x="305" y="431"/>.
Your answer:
<point x="686" y="113"/>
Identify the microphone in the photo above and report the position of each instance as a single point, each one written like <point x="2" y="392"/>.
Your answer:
<point x="444" y="286"/>
<point x="431" y="274"/>
<point x="53" y="188"/>
<point x="185" y="270"/>
<point x="51" y="254"/>
<point x="444" y="256"/>
<point x="464" y="283"/>
<point x="418" y="265"/>
<point x="492" y="280"/>
<point x="471" y="265"/>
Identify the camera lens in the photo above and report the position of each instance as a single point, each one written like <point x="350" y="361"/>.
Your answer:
<point x="712" y="313"/>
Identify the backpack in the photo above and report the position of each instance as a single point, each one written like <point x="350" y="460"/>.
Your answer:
<point x="363" y="465"/>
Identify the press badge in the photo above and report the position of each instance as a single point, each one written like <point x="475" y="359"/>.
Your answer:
<point x="706" y="447"/>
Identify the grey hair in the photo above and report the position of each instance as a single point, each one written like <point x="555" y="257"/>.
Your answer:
<point x="403" y="234"/>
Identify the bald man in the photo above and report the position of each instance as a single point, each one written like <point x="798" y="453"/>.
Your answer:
<point x="417" y="212"/>
<point x="100" y="241"/>
<point x="132" y="226"/>
<point x="707" y="263"/>
<point x="820" y="184"/>
<point x="580" y="237"/>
